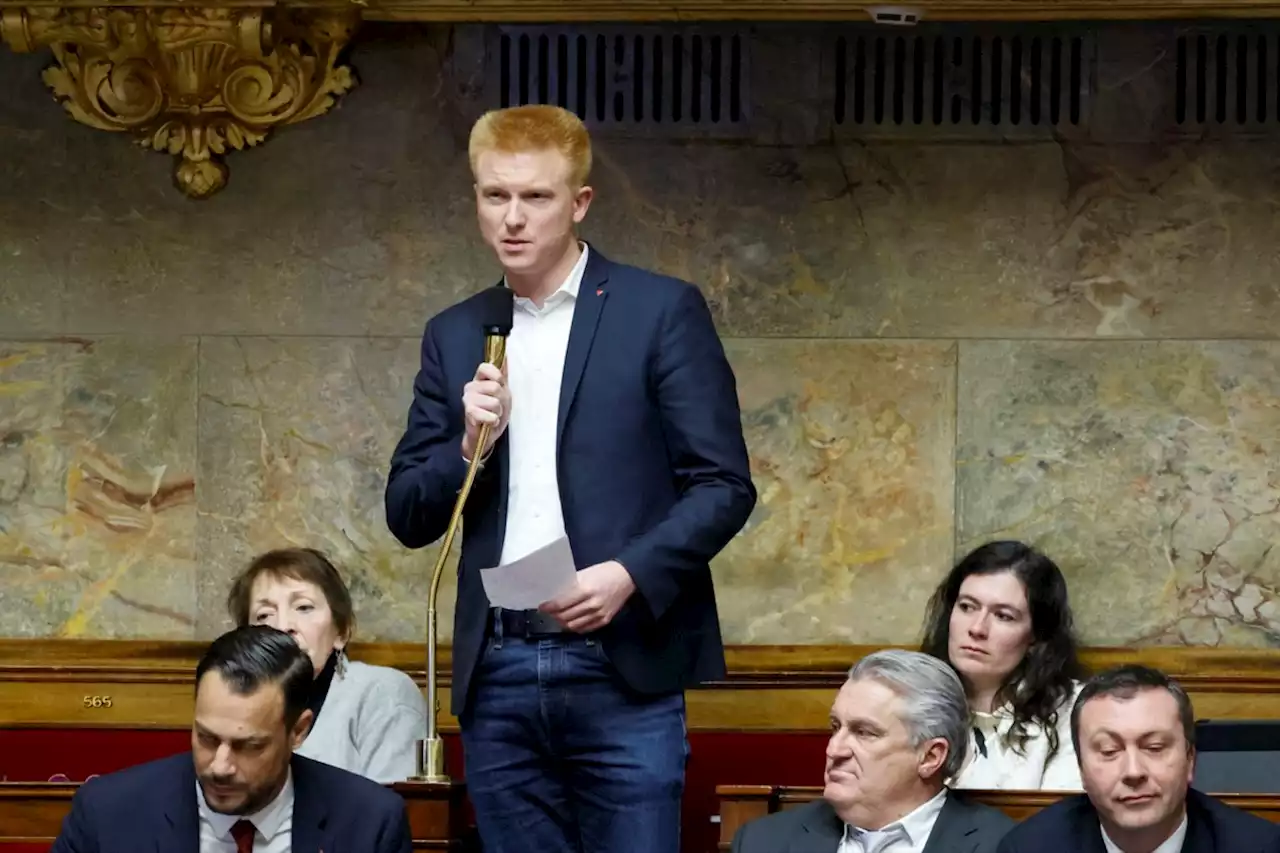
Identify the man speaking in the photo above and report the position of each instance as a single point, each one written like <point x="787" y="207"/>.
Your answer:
<point x="615" y="422"/>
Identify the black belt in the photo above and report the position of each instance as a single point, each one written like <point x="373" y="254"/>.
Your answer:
<point x="527" y="623"/>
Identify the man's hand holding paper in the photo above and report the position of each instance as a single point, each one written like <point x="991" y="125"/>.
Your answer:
<point x="596" y="597"/>
<point x="534" y="578"/>
<point x="545" y="579"/>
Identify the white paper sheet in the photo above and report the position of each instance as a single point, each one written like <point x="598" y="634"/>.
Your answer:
<point x="532" y="579"/>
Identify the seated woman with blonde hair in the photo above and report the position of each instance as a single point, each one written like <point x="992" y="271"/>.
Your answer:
<point x="1001" y="618"/>
<point x="367" y="718"/>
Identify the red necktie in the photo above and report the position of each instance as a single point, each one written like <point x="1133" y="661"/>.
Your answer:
<point x="242" y="832"/>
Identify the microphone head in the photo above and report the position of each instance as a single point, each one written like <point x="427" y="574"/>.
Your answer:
<point x="497" y="305"/>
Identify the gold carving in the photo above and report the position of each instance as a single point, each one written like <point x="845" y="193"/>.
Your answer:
<point x="572" y="11"/>
<point x="194" y="82"/>
<point x="97" y="701"/>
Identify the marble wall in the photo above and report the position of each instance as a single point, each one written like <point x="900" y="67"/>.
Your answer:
<point x="1068" y="342"/>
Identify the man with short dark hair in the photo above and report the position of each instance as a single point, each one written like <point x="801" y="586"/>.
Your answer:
<point x="1134" y="732"/>
<point x="240" y="789"/>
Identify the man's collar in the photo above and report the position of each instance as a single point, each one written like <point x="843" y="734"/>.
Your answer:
<point x="919" y="821"/>
<point x="572" y="283"/>
<point x="1172" y="844"/>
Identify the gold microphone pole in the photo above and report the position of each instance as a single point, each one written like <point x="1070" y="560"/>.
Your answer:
<point x="430" y="763"/>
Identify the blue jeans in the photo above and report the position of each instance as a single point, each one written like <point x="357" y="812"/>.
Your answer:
<point x="562" y="758"/>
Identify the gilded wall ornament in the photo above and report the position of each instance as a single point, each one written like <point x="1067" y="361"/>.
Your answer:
<point x="195" y="82"/>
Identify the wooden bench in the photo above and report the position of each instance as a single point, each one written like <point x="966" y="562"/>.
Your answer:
<point x="742" y="803"/>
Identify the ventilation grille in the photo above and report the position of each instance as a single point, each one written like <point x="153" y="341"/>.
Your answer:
<point x="962" y="83"/>
<point x="1227" y="78"/>
<point x="687" y="79"/>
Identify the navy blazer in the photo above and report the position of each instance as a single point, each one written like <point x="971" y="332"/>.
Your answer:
<point x="963" y="826"/>
<point x="650" y="457"/>
<point x="1071" y="826"/>
<point x="152" y="808"/>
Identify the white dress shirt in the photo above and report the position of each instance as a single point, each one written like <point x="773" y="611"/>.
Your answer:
<point x="535" y="365"/>
<point x="1031" y="769"/>
<point x="273" y="824"/>
<point x="1172" y="844"/>
<point x="918" y="825"/>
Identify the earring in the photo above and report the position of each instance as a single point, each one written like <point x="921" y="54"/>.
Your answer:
<point x="342" y="663"/>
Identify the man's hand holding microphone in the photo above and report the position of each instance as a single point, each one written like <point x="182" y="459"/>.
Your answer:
<point x="486" y="399"/>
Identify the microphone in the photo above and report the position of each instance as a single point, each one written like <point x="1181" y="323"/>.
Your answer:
<point x="497" y="313"/>
<point x="496" y="308"/>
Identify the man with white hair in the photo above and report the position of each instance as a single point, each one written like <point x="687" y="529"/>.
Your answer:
<point x="899" y="730"/>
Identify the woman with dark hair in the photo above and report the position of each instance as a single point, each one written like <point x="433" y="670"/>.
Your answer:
<point x="367" y="718"/>
<point x="1002" y="620"/>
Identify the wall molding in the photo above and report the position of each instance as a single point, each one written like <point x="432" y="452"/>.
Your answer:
<point x="517" y="11"/>
<point x="140" y="684"/>
<point x="200" y="80"/>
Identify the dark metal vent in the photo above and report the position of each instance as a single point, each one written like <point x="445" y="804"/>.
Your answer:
<point x="1227" y="77"/>
<point x="688" y="78"/>
<point x="973" y="83"/>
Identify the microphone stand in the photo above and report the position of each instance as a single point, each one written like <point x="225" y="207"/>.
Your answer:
<point x="430" y="759"/>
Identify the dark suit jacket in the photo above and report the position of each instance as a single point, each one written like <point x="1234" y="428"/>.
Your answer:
<point x="962" y="827"/>
<point x="151" y="808"/>
<point x="1071" y="826"/>
<point x="651" y="461"/>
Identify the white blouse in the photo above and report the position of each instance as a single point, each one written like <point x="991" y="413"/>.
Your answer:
<point x="1004" y="768"/>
